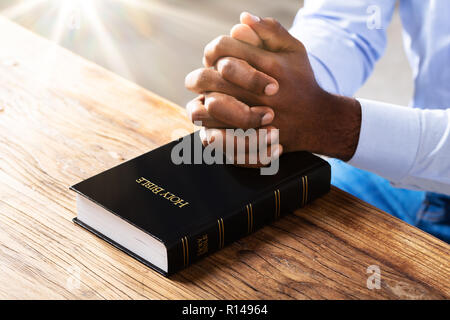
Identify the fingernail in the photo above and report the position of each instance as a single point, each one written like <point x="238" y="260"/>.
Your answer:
<point x="251" y="16"/>
<point x="276" y="152"/>
<point x="266" y="119"/>
<point x="271" y="89"/>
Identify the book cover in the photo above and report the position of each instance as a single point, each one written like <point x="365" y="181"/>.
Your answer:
<point x="196" y="209"/>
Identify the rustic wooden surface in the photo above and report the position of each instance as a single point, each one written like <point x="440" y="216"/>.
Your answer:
<point x="63" y="119"/>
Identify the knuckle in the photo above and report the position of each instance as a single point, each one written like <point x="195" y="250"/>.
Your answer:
<point x="193" y="110"/>
<point x="221" y="41"/>
<point x="255" y="82"/>
<point x="207" y="52"/>
<point x="213" y="103"/>
<point x="195" y="114"/>
<point x="201" y="78"/>
<point x="273" y="23"/>
<point x="247" y="120"/>
<point x="213" y="48"/>
<point x="209" y="46"/>
<point x="227" y="68"/>
<point x="273" y="64"/>
<point x="219" y="45"/>
<point x="300" y="45"/>
<point x="188" y="79"/>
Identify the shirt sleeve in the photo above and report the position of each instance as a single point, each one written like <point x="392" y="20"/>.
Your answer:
<point x="344" y="39"/>
<point x="410" y="147"/>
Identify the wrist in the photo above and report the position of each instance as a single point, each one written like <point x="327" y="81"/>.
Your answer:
<point x="341" y="125"/>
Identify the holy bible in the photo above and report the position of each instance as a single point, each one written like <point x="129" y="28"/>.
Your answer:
<point x="169" y="215"/>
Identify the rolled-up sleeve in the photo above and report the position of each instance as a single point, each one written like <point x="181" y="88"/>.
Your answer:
<point x="409" y="147"/>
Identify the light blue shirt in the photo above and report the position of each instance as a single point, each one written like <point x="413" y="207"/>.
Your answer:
<point x="409" y="146"/>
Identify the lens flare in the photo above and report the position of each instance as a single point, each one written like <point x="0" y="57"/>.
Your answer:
<point x="64" y="17"/>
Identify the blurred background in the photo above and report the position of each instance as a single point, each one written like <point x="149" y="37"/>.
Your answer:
<point x="155" y="43"/>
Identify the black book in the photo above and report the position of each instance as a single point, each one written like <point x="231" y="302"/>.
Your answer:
<point x="168" y="216"/>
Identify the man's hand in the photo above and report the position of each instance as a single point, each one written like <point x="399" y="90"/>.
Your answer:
<point x="197" y="111"/>
<point x="308" y="117"/>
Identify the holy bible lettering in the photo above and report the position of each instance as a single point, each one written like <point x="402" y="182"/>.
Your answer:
<point x="180" y="203"/>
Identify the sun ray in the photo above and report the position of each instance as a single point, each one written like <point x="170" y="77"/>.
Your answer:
<point x="21" y="8"/>
<point x="114" y="59"/>
<point x="180" y="19"/>
<point x="180" y="14"/>
<point x="59" y="23"/>
<point x="62" y="11"/>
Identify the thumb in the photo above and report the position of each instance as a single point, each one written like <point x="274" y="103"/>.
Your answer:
<point x="244" y="33"/>
<point x="273" y="34"/>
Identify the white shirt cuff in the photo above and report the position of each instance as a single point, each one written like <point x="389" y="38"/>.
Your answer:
<point x="388" y="140"/>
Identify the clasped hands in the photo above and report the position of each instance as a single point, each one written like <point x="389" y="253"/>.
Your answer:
<point x="260" y="77"/>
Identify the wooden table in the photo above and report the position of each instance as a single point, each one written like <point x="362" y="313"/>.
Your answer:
<point x="64" y="119"/>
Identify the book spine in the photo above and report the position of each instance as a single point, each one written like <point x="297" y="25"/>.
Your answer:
<point x="283" y="199"/>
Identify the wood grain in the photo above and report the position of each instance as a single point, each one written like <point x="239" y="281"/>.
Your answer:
<point x="64" y="119"/>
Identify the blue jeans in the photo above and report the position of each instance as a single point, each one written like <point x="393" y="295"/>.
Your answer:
<point x="425" y="210"/>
